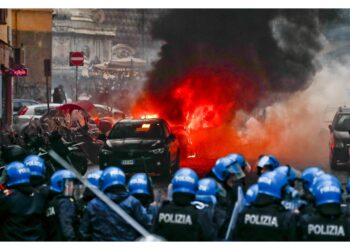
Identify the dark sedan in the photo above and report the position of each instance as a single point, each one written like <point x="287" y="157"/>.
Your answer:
<point x="142" y="145"/>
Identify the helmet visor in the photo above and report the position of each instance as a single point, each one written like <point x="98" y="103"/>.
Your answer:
<point x="69" y="187"/>
<point x="236" y="170"/>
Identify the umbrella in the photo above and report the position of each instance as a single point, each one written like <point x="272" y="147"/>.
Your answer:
<point x="81" y="105"/>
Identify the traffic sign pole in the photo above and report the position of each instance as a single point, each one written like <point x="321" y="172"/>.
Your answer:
<point x="76" y="59"/>
<point x="76" y="83"/>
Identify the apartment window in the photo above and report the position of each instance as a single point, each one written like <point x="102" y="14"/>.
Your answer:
<point x="3" y="16"/>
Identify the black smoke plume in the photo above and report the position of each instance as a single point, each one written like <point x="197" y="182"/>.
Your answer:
<point x="276" y="48"/>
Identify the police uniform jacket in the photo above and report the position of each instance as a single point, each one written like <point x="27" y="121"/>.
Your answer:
<point x="22" y="212"/>
<point x="265" y="220"/>
<point x="101" y="223"/>
<point x="184" y="222"/>
<point x="62" y="220"/>
<point x="318" y="226"/>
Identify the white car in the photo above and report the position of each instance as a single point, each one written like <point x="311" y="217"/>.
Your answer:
<point x="26" y="113"/>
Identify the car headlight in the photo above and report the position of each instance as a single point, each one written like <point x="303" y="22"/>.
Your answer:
<point x="339" y="144"/>
<point x="158" y="151"/>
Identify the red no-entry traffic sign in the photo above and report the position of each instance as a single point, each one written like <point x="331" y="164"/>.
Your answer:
<point x="76" y="58"/>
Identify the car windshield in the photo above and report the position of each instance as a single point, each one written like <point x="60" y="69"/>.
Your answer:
<point x="343" y="123"/>
<point x="136" y="130"/>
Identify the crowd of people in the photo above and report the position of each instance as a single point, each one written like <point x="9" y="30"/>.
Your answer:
<point x="284" y="204"/>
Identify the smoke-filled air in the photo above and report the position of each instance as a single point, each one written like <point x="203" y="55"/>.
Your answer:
<point x="246" y="81"/>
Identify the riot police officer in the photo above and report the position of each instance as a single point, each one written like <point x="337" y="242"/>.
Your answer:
<point x="61" y="213"/>
<point x="328" y="222"/>
<point x="266" y="217"/>
<point x="22" y="209"/>
<point x="206" y="200"/>
<point x="308" y="176"/>
<point x="140" y="186"/>
<point x="94" y="179"/>
<point x="101" y="223"/>
<point x="266" y="163"/>
<point x="229" y="176"/>
<point x="37" y="173"/>
<point x="179" y="220"/>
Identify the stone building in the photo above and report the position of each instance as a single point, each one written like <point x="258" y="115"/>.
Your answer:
<point x="116" y="42"/>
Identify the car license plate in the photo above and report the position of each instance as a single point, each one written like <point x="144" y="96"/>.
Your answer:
<point x="128" y="162"/>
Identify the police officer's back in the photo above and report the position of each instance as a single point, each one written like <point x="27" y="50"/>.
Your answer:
<point x="266" y="219"/>
<point x="328" y="222"/>
<point x="61" y="213"/>
<point x="37" y="174"/>
<point x="22" y="209"/>
<point x="101" y="223"/>
<point x="140" y="186"/>
<point x="178" y="220"/>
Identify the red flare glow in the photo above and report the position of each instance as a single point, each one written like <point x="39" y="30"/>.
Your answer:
<point x="204" y="101"/>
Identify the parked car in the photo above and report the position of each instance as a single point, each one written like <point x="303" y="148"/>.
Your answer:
<point x="26" y="113"/>
<point x="19" y="103"/>
<point x="340" y="139"/>
<point x="142" y="145"/>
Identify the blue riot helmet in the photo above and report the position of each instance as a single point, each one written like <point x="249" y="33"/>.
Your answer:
<point x="206" y="192"/>
<point x="266" y="163"/>
<point x="140" y="184"/>
<point x="308" y="176"/>
<point x="272" y="183"/>
<point x="241" y="161"/>
<point x="62" y="181"/>
<point x="94" y="178"/>
<point x="289" y="172"/>
<point x="251" y="194"/>
<point x="112" y="176"/>
<point x="36" y="165"/>
<point x="324" y="178"/>
<point x="17" y="173"/>
<point x="226" y="166"/>
<point x="185" y="180"/>
<point x="326" y="192"/>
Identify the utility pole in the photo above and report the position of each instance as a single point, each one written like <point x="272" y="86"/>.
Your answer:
<point x="47" y="71"/>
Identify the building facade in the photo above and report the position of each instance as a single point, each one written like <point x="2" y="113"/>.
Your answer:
<point x="25" y="41"/>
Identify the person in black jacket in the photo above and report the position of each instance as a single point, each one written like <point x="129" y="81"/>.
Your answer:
<point x="61" y="213"/>
<point x="22" y="209"/>
<point x="266" y="219"/>
<point x="179" y="220"/>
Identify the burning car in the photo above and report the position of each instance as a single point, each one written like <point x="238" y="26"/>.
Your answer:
<point x="142" y="145"/>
